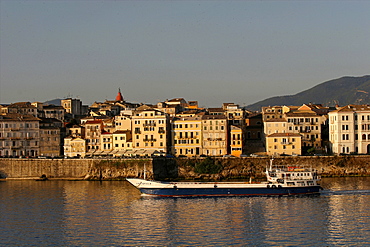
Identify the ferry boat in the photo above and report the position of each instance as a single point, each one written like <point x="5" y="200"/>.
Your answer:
<point x="281" y="181"/>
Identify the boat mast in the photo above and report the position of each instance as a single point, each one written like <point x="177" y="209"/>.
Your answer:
<point x="271" y="160"/>
<point x="144" y="171"/>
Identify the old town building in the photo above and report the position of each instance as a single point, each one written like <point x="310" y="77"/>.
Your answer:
<point x="19" y="135"/>
<point x="51" y="136"/>
<point x="74" y="147"/>
<point x="236" y="141"/>
<point x="215" y="135"/>
<point x="93" y="130"/>
<point x="150" y="130"/>
<point x="283" y="144"/>
<point x="349" y="129"/>
<point x="187" y="136"/>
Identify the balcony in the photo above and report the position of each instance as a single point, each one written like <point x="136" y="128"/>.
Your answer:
<point x="186" y="137"/>
<point x="161" y="131"/>
<point x="137" y="132"/>
<point x="149" y="140"/>
<point x="149" y="124"/>
<point x="14" y="129"/>
<point x="214" y="139"/>
<point x="286" y="143"/>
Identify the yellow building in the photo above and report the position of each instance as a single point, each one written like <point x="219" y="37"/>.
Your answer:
<point x="150" y="130"/>
<point x="275" y="125"/>
<point x="122" y="122"/>
<point x="72" y="106"/>
<point x="74" y="147"/>
<point x="306" y="120"/>
<point x="236" y="141"/>
<point x="187" y="136"/>
<point x="308" y="123"/>
<point x="284" y="143"/>
<point x="106" y="143"/>
<point x="215" y="135"/>
<point x="235" y="115"/>
<point x="122" y="143"/>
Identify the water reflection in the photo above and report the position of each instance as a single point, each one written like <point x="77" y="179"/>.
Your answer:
<point x="81" y="213"/>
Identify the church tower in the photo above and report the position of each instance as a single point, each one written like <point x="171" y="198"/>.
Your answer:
<point x="119" y="96"/>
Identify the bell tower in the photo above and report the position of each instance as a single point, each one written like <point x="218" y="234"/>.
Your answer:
<point x="119" y="96"/>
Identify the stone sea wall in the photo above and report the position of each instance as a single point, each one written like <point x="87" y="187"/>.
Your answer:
<point x="177" y="168"/>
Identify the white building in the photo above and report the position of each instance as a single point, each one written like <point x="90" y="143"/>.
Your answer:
<point x="349" y="129"/>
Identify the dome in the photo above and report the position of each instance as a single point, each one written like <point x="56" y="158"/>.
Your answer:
<point x="119" y="96"/>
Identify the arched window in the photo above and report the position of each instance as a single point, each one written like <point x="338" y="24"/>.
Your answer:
<point x="363" y="137"/>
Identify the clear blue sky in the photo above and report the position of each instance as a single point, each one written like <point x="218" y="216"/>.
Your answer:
<point x="210" y="51"/>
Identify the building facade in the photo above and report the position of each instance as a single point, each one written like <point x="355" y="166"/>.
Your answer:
<point x="215" y="135"/>
<point x="151" y="130"/>
<point x="349" y="129"/>
<point x="284" y="144"/>
<point x="19" y="135"/>
<point x="187" y="136"/>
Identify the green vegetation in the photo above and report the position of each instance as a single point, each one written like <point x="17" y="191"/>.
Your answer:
<point x="208" y="166"/>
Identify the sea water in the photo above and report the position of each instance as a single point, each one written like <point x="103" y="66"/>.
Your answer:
<point x="113" y="213"/>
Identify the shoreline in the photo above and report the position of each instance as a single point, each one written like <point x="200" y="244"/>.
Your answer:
<point x="216" y="168"/>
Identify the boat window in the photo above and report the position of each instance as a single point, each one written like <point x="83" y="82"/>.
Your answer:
<point x="290" y="183"/>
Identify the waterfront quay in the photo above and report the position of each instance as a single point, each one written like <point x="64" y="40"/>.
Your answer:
<point x="219" y="168"/>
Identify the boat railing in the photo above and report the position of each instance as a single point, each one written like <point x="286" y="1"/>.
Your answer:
<point x="279" y="169"/>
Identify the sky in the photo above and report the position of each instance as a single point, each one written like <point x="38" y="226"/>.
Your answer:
<point x="211" y="51"/>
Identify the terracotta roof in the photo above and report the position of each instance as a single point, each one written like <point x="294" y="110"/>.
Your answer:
<point x="17" y="117"/>
<point x="352" y="108"/>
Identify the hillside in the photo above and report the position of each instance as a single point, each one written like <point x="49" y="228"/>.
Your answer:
<point x="342" y="91"/>
<point x="53" y="102"/>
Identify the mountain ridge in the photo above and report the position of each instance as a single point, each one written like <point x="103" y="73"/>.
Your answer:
<point x="342" y="91"/>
